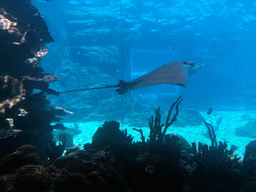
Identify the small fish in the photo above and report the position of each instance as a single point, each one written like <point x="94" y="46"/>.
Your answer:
<point x="172" y="73"/>
<point x="209" y="111"/>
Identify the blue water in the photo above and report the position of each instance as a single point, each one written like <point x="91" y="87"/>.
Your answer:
<point x="100" y="42"/>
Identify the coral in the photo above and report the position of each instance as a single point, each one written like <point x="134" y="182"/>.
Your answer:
<point x="25" y="116"/>
<point x="28" y="17"/>
<point x="216" y="169"/>
<point x="160" y="157"/>
<point x="114" y="163"/>
<point x="156" y="135"/>
<point x="23" y="171"/>
<point x="32" y="178"/>
<point x="249" y="166"/>
<point x="84" y="170"/>
<point x="12" y="92"/>
<point x="110" y="135"/>
<point x="141" y="134"/>
<point x="250" y="151"/>
<point x="24" y="155"/>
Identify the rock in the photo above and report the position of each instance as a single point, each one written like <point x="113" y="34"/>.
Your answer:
<point x="110" y="135"/>
<point x="32" y="178"/>
<point x="250" y="151"/>
<point x="84" y="170"/>
<point x="22" y="171"/>
<point x="189" y="117"/>
<point x="180" y="140"/>
<point x="247" y="130"/>
<point x="24" y="155"/>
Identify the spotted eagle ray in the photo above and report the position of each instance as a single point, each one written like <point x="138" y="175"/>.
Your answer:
<point x="172" y="73"/>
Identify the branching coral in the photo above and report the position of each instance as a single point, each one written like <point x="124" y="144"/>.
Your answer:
<point x="156" y="135"/>
<point x="215" y="151"/>
<point x="217" y="169"/>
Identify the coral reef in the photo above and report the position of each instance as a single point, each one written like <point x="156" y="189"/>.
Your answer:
<point x="217" y="169"/>
<point x="250" y="152"/>
<point x="22" y="170"/>
<point x="110" y="135"/>
<point x="25" y="116"/>
<point x="127" y="165"/>
<point x="112" y="162"/>
<point x="249" y="165"/>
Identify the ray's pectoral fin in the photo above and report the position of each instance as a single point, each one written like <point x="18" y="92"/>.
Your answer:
<point x="171" y="73"/>
<point x="175" y="73"/>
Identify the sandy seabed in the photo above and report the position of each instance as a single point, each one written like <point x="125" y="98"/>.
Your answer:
<point x="225" y="132"/>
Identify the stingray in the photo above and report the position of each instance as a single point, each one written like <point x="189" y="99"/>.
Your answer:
<point x="172" y="73"/>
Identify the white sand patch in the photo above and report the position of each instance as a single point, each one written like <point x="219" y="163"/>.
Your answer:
<point x="226" y="131"/>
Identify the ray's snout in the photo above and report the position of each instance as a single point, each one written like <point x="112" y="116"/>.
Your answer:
<point x="191" y="69"/>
